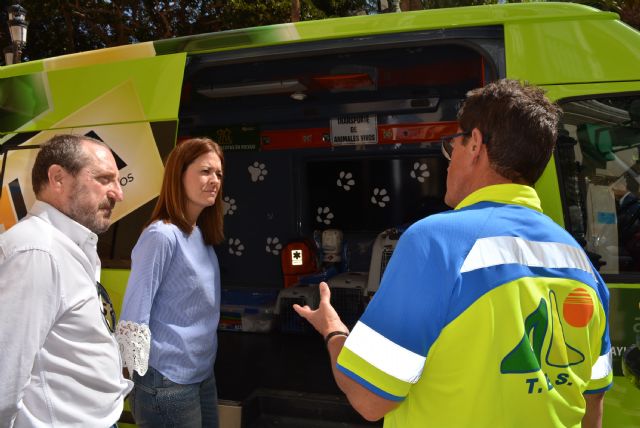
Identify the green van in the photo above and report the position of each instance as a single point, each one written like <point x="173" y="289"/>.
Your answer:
<point x="335" y="124"/>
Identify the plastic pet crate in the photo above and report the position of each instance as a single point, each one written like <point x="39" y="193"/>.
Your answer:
<point x="290" y="321"/>
<point x="348" y="296"/>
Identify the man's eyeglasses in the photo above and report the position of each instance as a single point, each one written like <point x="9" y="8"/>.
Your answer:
<point x="446" y="143"/>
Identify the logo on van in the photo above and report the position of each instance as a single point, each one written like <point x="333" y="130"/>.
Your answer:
<point x="13" y="206"/>
<point x="119" y="162"/>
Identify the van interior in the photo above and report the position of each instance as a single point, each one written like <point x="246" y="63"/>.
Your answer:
<point x="329" y="156"/>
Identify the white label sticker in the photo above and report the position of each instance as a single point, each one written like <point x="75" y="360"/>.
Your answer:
<point x="296" y="257"/>
<point x="352" y="130"/>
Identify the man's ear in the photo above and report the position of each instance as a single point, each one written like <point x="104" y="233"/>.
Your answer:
<point x="57" y="175"/>
<point x="475" y="140"/>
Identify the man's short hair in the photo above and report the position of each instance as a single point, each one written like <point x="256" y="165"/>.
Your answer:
<point x="65" y="150"/>
<point x="519" y="125"/>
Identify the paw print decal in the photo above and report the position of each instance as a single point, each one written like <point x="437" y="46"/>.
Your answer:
<point x="257" y="171"/>
<point x="273" y="246"/>
<point x="380" y="197"/>
<point x="345" y="180"/>
<point x="420" y="171"/>
<point x="235" y="247"/>
<point x="324" y="215"/>
<point x="229" y="206"/>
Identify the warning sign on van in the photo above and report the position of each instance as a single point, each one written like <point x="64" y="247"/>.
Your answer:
<point x="352" y="130"/>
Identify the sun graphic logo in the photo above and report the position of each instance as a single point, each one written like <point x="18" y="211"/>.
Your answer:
<point x="551" y="343"/>
<point x="577" y="309"/>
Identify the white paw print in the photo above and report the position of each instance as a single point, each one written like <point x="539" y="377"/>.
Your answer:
<point x="257" y="171"/>
<point x="229" y="206"/>
<point x="345" y="180"/>
<point x="273" y="246"/>
<point x="380" y="197"/>
<point x="324" y="215"/>
<point x="235" y="247"/>
<point x="420" y="171"/>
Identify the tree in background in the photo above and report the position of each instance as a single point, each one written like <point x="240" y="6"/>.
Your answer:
<point x="629" y="10"/>
<point x="58" y="27"/>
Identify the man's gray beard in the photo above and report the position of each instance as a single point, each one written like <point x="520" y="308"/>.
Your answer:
<point x="85" y="215"/>
<point x="88" y="218"/>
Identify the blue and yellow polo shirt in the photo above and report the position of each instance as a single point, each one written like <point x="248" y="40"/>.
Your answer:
<point x="488" y="315"/>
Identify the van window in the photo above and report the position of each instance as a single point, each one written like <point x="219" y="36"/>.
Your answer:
<point x="343" y="138"/>
<point x="599" y="164"/>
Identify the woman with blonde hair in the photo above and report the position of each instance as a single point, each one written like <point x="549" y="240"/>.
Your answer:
<point x="171" y="309"/>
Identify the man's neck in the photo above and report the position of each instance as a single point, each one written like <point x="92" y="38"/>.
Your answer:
<point x="488" y="177"/>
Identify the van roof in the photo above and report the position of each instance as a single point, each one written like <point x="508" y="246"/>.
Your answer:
<point x="388" y="23"/>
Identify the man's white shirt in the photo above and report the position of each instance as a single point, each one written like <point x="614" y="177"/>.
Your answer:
<point x="59" y="363"/>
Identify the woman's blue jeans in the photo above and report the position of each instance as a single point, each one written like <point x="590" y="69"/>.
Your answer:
<point x="158" y="402"/>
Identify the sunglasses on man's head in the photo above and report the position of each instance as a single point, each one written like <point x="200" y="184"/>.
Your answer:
<point x="446" y="143"/>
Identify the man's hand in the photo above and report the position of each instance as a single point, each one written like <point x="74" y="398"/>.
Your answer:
<point x="325" y="319"/>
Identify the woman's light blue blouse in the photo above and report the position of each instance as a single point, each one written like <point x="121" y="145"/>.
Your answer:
<point x="174" y="288"/>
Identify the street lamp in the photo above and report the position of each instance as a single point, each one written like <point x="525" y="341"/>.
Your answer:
<point x="18" y="30"/>
<point x="8" y="55"/>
